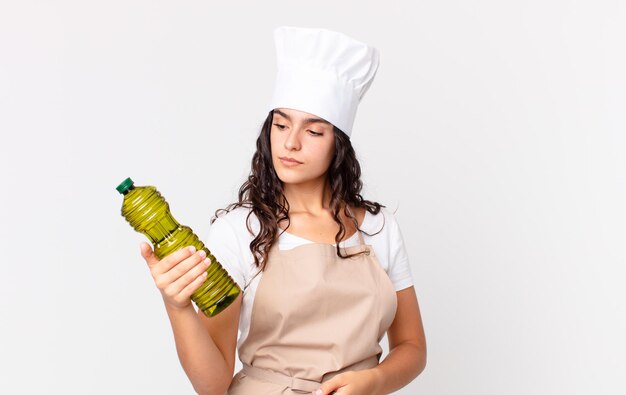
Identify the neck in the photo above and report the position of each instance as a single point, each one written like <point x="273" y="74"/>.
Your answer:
<point x="312" y="197"/>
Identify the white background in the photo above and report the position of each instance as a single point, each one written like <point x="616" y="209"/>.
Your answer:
<point x="495" y="128"/>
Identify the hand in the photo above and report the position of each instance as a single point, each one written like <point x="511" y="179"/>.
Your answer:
<point x="360" y="382"/>
<point x="178" y="275"/>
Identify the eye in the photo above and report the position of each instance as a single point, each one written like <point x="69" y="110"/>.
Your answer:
<point x="315" y="133"/>
<point x="281" y="127"/>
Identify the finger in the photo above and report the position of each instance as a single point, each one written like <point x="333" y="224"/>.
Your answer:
<point x="187" y="278"/>
<point x="330" y="386"/>
<point x="194" y="285"/>
<point x="184" y="266"/>
<point x="173" y="259"/>
<point x="165" y="280"/>
<point x="148" y="254"/>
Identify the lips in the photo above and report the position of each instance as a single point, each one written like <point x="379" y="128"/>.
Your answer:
<point x="287" y="159"/>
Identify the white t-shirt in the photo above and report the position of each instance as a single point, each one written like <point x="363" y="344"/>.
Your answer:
<point x="229" y="241"/>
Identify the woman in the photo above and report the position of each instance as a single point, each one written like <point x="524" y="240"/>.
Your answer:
<point x="319" y="297"/>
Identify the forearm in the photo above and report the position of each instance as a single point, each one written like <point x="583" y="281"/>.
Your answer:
<point x="201" y="359"/>
<point x="404" y="363"/>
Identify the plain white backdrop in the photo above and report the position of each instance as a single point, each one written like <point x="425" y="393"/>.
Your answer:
<point x="495" y="129"/>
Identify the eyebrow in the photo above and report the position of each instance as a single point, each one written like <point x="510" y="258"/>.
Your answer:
<point x="307" y="120"/>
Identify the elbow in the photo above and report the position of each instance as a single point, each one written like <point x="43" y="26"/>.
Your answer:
<point x="418" y="356"/>
<point x="210" y="389"/>
<point x="202" y="390"/>
<point x="208" y="392"/>
<point x="421" y="359"/>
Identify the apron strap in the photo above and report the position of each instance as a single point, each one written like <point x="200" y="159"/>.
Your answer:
<point x="298" y="384"/>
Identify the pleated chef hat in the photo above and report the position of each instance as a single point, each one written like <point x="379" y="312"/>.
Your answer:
<point x="322" y="72"/>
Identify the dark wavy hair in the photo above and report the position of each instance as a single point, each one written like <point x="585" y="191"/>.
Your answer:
<point x="262" y="192"/>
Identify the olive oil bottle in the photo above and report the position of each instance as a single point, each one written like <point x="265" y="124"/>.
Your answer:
<point x="147" y="212"/>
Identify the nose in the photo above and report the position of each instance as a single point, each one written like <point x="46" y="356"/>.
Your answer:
<point x="292" y="142"/>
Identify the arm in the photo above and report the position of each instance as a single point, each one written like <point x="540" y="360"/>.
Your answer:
<point x="407" y="346"/>
<point x="206" y="346"/>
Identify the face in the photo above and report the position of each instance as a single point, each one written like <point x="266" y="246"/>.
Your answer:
<point x="307" y="139"/>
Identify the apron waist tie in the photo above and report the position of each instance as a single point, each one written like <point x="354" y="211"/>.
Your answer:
<point x="299" y="384"/>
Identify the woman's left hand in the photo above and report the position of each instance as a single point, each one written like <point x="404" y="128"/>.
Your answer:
<point x="360" y="382"/>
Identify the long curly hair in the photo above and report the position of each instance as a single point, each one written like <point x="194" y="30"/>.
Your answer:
<point x="262" y="192"/>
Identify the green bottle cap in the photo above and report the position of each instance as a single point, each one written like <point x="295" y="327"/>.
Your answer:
<point x="125" y="186"/>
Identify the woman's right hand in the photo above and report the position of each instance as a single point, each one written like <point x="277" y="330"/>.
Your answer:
<point x="178" y="275"/>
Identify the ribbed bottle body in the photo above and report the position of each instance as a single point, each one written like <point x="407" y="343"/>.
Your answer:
<point x="147" y="212"/>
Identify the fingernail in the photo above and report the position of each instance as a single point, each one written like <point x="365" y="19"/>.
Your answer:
<point x="192" y="249"/>
<point x="318" y="392"/>
<point x="202" y="253"/>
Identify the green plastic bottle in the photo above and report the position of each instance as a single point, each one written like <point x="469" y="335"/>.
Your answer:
<point x="147" y="212"/>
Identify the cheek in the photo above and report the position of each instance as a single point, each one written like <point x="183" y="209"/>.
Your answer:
<point x="273" y="141"/>
<point x="330" y="149"/>
<point x="326" y="152"/>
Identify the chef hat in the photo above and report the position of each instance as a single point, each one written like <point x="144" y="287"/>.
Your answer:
<point x="322" y="72"/>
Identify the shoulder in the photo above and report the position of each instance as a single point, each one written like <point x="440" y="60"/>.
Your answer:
<point x="228" y="240"/>
<point x="389" y="247"/>
<point x="383" y="233"/>
<point x="383" y="223"/>
<point x="238" y="220"/>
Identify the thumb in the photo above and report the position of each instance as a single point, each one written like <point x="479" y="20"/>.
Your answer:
<point x="147" y="253"/>
<point x="329" y="386"/>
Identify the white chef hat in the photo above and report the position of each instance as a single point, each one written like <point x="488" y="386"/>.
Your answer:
<point x="322" y="72"/>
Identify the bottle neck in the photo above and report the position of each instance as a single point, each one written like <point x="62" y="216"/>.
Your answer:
<point x="129" y="189"/>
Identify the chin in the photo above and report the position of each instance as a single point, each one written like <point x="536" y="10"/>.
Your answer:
<point x="296" y="178"/>
<point x="290" y="179"/>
